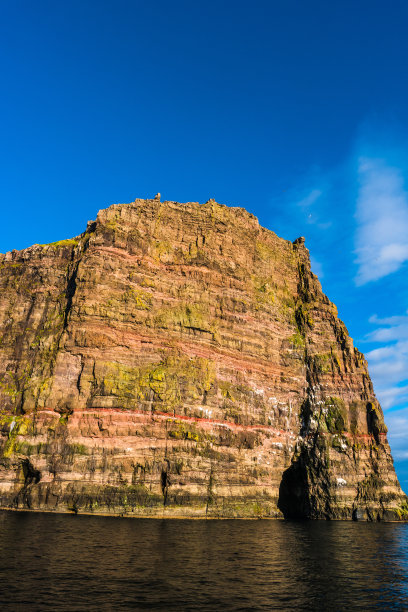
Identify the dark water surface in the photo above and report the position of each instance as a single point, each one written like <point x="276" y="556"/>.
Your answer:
<point x="64" y="562"/>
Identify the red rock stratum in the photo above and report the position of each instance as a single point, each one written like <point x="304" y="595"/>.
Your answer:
<point x="181" y="360"/>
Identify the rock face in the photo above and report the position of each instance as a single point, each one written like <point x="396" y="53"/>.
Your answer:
<point x="181" y="360"/>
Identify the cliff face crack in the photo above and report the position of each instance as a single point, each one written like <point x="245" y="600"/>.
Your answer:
<point x="78" y="382"/>
<point x="70" y="292"/>
<point x="165" y="480"/>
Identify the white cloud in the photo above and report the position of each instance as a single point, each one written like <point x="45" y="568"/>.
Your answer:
<point x="317" y="267"/>
<point x="382" y="218"/>
<point x="388" y="334"/>
<point x="388" y="364"/>
<point x="389" y="371"/>
<point x="397" y="423"/>
<point x="310" y="199"/>
<point x="394" y="396"/>
<point x="395" y="320"/>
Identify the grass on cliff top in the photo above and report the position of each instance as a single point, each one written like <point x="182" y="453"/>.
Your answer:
<point x="61" y="243"/>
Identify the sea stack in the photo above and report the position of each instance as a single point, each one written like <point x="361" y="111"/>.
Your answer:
<point x="181" y="360"/>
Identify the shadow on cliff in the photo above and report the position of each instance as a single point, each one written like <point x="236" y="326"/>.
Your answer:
<point x="293" y="493"/>
<point x="304" y="491"/>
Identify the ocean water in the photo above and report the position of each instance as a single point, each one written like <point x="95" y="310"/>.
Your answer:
<point x="67" y="562"/>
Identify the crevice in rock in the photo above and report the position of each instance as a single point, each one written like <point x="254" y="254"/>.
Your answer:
<point x="70" y="292"/>
<point x="210" y="490"/>
<point x="165" y="480"/>
<point x="30" y="473"/>
<point x="78" y="382"/>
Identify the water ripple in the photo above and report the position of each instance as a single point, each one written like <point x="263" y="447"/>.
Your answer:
<point x="63" y="562"/>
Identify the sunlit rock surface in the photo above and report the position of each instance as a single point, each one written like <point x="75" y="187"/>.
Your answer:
<point x="181" y="360"/>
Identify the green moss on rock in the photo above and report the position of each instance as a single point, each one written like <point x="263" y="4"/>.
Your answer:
<point x="335" y="415"/>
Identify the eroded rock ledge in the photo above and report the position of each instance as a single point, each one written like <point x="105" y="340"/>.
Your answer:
<point x="181" y="360"/>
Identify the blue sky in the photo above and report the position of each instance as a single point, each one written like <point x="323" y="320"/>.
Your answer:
<point x="295" y="110"/>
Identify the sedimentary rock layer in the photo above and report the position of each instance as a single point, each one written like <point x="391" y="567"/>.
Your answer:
<point x="181" y="360"/>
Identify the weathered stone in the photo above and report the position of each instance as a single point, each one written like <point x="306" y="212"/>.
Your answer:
<point x="181" y="360"/>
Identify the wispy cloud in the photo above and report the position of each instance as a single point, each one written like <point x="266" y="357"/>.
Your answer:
<point x="317" y="267"/>
<point x="397" y="423"/>
<point x="382" y="220"/>
<point x="389" y="364"/>
<point x="310" y="198"/>
<point x="393" y="320"/>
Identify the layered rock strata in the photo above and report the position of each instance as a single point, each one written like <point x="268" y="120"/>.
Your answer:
<point x="181" y="360"/>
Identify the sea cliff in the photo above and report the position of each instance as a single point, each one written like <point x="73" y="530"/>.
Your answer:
<point x="181" y="360"/>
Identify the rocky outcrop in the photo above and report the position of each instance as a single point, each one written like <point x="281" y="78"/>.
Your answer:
<point x="181" y="360"/>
